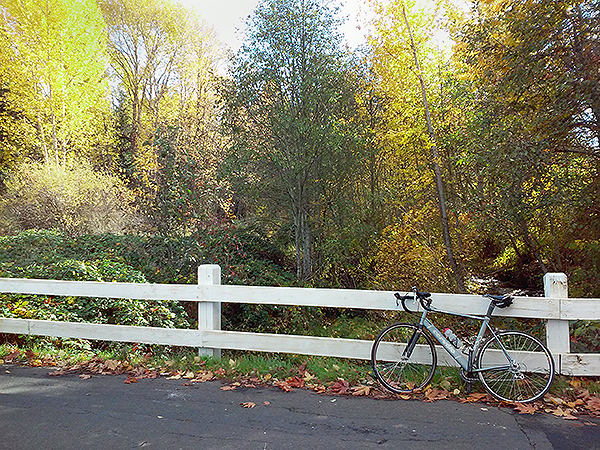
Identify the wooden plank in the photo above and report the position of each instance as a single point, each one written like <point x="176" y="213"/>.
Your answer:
<point x="138" y="291"/>
<point x="283" y="343"/>
<point x="580" y="309"/>
<point x="103" y="332"/>
<point x="337" y="298"/>
<point x="528" y="307"/>
<point x="580" y="364"/>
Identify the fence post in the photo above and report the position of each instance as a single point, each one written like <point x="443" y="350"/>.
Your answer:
<point x="209" y="313"/>
<point x="558" y="338"/>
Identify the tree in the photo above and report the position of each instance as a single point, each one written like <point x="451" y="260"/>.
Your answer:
<point x="53" y="64"/>
<point x="163" y="58"/>
<point x="402" y="41"/>
<point x="541" y="60"/>
<point x="532" y="137"/>
<point x="289" y="108"/>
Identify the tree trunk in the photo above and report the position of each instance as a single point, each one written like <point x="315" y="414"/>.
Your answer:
<point x="40" y="129"/>
<point x="438" y="173"/>
<point x="529" y="241"/>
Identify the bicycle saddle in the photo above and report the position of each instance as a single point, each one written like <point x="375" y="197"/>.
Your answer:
<point x="500" y="301"/>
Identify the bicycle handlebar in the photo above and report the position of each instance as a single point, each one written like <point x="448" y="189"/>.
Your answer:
<point x="424" y="299"/>
<point x="496" y="301"/>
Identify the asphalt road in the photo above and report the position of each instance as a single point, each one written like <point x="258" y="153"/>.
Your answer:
<point x="42" y="412"/>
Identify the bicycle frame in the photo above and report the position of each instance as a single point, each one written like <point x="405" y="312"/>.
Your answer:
<point x="454" y="352"/>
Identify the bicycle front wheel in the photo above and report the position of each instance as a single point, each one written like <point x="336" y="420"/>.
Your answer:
<point x="515" y="367"/>
<point x="403" y="358"/>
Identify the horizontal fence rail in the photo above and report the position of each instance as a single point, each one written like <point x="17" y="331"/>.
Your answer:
<point x="209" y="294"/>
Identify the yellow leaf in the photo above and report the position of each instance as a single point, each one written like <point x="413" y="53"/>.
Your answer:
<point x="203" y="377"/>
<point x="360" y="390"/>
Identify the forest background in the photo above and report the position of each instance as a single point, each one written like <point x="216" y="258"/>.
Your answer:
<point x="127" y="154"/>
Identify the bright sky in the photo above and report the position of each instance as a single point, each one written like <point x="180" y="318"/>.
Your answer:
<point x="228" y="17"/>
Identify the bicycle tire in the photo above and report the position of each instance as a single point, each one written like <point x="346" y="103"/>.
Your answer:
<point x="396" y="371"/>
<point x="530" y="375"/>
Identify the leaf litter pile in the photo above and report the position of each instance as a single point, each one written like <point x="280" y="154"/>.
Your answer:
<point x="578" y="404"/>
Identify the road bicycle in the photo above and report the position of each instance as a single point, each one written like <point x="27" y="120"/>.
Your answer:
<point x="513" y="366"/>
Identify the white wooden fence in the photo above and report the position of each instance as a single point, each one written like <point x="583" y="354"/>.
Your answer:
<point x="556" y="307"/>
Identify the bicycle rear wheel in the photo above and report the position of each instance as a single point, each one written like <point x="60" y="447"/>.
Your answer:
<point x="524" y="376"/>
<point x="403" y="358"/>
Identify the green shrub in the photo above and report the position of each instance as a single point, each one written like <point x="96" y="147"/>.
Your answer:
<point x="94" y="310"/>
<point x="244" y="255"/>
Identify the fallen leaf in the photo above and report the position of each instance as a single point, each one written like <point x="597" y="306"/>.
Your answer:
<point x="130" y="380"/>
<point x="584" y="395"/>
<point x="302" y="368"/>
<point x="266" y="403"/>
<point x="566" y="414"/>
<point x="174" y="377"/>
<point x="228" y="388"/>
<point x="202" y="377"/>
<point x="283" y="386"/>
<point x="111" y="364"/>
<point x="472" y="398"/>
<point x="593" y="403"/>
<point x="436" y="394"/>
<point x="360" y="390"/>
<point x="526" y="408"/>
<point x="295" y="382"/>
<point x="319" y="388"/>
<point x="308" y="377"/>
<point x="85" y="376"/>
<point x="12" y="355"/>
<point x="340" y="386"/>
<point x="248" y="404"/>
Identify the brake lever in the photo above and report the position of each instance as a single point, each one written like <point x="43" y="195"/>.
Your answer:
<point x="402" y="299"/>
